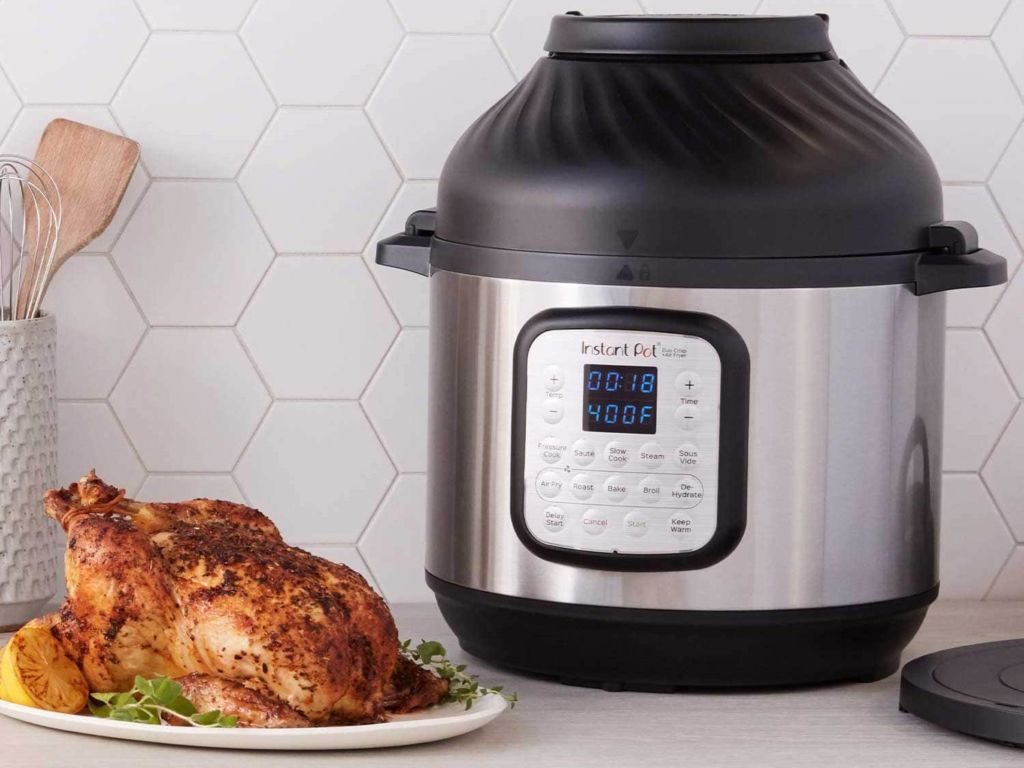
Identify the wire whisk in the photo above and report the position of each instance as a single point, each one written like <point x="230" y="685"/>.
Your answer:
<point x="30" y="216"/>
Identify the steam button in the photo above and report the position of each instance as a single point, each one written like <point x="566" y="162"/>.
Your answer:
<point x="552" y="410"/>
<point x="652" y="455"/>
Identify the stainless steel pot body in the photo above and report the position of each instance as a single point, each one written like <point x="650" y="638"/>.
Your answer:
<point x="844" y="449"/>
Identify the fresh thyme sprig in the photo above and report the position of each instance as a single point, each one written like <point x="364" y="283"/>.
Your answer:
<point x="462" y="688"/>
<point x="151" y="701"/>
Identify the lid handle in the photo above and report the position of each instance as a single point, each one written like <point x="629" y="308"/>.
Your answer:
<point x="955" y="261"/>
<point x="410" y="250"/>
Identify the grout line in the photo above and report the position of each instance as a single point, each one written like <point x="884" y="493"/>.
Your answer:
<point x="248" y="15"/>
<point x="890" y="65"/>
<point x="259" y="73"/>
<point x="995" y="504"/>
<point x="500" y="17"/>
<point x="999" y="573"/>
<point x="252" y="436"/>
<point x="131" y="443"/>
<point x="895" y="16"/>
<point x="131" y="67"/>
<point x="997" y="441"/>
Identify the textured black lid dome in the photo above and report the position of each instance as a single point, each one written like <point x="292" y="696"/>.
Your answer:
<point x="674" y="137"/>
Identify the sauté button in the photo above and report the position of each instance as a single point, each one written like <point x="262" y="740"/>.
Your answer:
<point x="554" y="519"/>
<point x="636" y="524"/>
<point x="582" y="453"/>
<point x="650" y="490"/>
<point x="687" y="383"/>
<point x="582" y="486"/>
<point x="594" y="522"/>
<point x="687" y="492"/>
<point x="552" y="410"/>
<point x="680" y="525"/>
<point x="688" y="455"/>
<point x="551" y="449"/>
<point x="687" y="416"/>
<point x="616" y="454"/>
<point x="553" y="378"/>
<point x="652" y="455"/>
<point x="549" y="483"/>
<point x="615" y="488"/>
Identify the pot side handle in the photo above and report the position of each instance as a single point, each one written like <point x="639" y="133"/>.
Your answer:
<point x="410" y="250"/>
<point x="955" y="261"/>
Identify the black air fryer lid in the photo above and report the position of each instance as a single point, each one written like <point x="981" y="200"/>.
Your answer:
<point x="697" y="151"/>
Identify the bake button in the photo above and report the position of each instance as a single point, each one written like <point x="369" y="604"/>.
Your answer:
<point x="650" y="490"/>
<point x="616" y="454"/>
<point x="680" y="525"/>
<point x="551" y="449"/>
<point x="687" y="383"/>
<point x="687" y="492"/>
<point x="688" y="455"/>
<point x="553" y="378"/>
<point x="582" y="486"/>
<point x="549" y="483"/>
<point x="687" y="416"/>
<point x="554" y="519"/>
<point x="582" y="453"/>
<point x="652" y="455"/>
<point x="552" y="410"/>
<point x="594" y="522"/>
<point x="615" y="488"/>
<point x="636" y="524"/>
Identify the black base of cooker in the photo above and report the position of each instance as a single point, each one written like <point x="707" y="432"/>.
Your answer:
<point x="659" y="650"/>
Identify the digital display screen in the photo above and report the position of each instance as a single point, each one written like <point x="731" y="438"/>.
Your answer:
<point x="620" y="398"/>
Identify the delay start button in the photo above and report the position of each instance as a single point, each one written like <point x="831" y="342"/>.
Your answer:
<point x="554" y="519"/>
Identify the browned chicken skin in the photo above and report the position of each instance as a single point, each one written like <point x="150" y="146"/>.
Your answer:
<point x="202" y="590"/>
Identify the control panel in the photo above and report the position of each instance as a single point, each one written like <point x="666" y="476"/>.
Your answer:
<point x="621" y="441"/>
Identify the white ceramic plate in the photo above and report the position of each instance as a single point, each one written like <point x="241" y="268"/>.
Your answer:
<point x="435" y="724"/>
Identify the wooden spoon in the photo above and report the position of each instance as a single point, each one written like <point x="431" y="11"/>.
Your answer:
<point x="91" y="168"/>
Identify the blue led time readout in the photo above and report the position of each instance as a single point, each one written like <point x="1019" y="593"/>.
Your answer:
<point x="620" y="398"/>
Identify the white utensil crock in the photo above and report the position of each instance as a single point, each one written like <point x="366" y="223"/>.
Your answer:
<point x="28" y="466"/>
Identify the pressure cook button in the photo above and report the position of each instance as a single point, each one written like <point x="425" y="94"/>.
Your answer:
<point x="687" y="416"/>
<point x="652" y="455"/>
<point x="554" y="519"/>
<point x="650" y="489"/>
<point x="551" y="449"/>
<point x="616" y="454"/>
<point x="680" y="525"/>
<point x="582" y="487"/>
<point x="688" y="455"/>
<point x="549" y="483"/>
<point x="594" y="522"/>
<point x="687" y="383"/>
<point x="553" y="378"/>
<point x="636" y="524"/>
<point x="582" y="453"/>
<point x="687" y="492"/>
<point x="615" y="488"/>
<point x="552" y="410"/>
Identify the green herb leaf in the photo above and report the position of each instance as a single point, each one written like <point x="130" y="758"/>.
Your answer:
<point x="462" y="688"/>
<point x="153" y="700"/>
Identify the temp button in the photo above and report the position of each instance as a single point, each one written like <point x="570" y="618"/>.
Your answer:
<point x="552" y="410"/>
<point x="687" y="416"/>
<point x="553" y="378"/>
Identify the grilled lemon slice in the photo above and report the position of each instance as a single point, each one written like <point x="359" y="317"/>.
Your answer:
<point x="36" y="672"/>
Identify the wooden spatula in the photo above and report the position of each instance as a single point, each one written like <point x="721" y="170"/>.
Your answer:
<point x="91" y="168"/>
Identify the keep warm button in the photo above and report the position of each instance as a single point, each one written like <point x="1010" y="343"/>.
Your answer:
<point x="687" y="491"/>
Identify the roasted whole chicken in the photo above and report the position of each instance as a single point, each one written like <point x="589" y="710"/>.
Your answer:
<point x="208" y="593"/>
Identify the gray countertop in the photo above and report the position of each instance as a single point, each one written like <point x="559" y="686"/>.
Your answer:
<point x="555" y="725"/>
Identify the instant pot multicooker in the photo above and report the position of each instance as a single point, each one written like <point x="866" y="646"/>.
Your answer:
<point x="687" y="287"/>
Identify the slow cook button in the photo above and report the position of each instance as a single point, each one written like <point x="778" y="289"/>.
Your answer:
<point x="650" y="489"/>
<point x="554" y="519"/>
<point x="652" y="455"/>
<point x="551" y="449"/>
<point x="688" y="455"/>
<point x="594" y="522"/>
<point x="582" y="453"/>
<point x="636" y="524"/>
<point x="552" y="410"/>
<point x="687" y="416"/>
<point x="615" y="488"/>
<point x="687" y="492"/>
<point x="549" y="484"/>
<point x="680" y="525"/>
<point x="582" y="487"/>
<point x="616" y="454"/>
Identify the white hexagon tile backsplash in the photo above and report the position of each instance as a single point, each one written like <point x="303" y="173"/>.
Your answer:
<point x="230" y="334"/>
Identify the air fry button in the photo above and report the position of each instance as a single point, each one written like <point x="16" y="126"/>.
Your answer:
<point x="687" y="491"/>
<point x="549" y="483"/>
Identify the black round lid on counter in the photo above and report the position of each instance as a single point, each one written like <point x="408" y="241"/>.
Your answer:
<point x="689" y="136"/>
<point x="975" y="689"/>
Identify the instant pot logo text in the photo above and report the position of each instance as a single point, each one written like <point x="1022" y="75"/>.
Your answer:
<point x="602" y="349"/>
